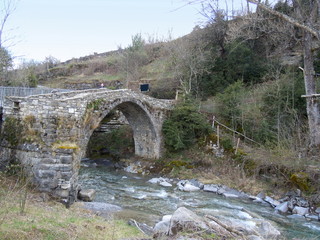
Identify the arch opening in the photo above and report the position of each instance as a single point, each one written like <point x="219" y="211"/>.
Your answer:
<point x="135" y="129"/>
<point x="112" y="139"/>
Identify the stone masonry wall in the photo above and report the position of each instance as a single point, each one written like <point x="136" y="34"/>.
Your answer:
<point x="49" y="133"/>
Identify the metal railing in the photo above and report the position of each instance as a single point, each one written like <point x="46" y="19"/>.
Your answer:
<point x="24" y="91"/>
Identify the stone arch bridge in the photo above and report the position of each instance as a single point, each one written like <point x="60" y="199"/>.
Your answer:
<point x="49" y="133"/>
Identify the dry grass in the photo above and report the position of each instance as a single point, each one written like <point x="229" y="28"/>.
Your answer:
<point x="51" y="220"/>
<point x="254" y="170"/>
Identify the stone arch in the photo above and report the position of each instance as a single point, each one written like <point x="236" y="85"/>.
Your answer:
<point x="146" y="130"/>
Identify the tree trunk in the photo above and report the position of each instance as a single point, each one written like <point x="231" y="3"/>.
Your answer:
<point x="313" y="106"/>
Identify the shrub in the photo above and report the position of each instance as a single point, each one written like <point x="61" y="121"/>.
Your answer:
<point x="184" y="127"/>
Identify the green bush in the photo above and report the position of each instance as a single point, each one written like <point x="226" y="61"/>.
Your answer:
<point x="270" y="113"/>
<point x="184" y="126"/>
<point x="239" y="61"/>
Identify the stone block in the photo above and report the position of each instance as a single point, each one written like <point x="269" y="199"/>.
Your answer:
<point x="46" y="173"/>
<point x="48" y="183"/>
<point x="49" y="160"/>
<point x="63" y="193"/>
<point x="63" y="167"/>
<point x="87" y="195"/>
<point x="66" y="175"/>
<point x="66" y="159"/>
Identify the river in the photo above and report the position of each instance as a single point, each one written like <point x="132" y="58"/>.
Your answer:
<point x="147" y="203"/>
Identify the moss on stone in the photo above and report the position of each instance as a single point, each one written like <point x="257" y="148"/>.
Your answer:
<point x="65" y="145"/>
<point x="301" y="180"/>
<point x="96" y="104"/>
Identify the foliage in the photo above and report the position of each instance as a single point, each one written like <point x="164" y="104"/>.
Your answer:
<point x="12" y="131"/>
<point x="229" y="104"/>
<point x="133" y="58"/>
<point x="271" y="113"/>
<point x="238" y="62"/>
<point x="95" y="104"/>
<point x="26" y="75"/>
<point x="283" y="7"/>
<point x="282" y="106"/>
<point x="184" y="126"/>
<point x="6" y="62"/>
<point x="118" y="143"/>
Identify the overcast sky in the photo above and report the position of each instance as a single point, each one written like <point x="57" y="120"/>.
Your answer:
<point x="73" y="28"/>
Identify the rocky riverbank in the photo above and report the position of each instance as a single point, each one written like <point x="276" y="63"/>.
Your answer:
<point x="237" y="219"/>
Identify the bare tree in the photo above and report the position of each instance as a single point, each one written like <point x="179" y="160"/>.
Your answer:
<point x="307" y="13"/>
<point x="6" y="9"/>
<point x="188" y="60"/>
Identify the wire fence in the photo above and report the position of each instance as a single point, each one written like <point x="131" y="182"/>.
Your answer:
<point x="23" y="92"/>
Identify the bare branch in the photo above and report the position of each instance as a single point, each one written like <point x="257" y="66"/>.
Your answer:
<point x="291" y="20"/>
<point x="5" y="11"/>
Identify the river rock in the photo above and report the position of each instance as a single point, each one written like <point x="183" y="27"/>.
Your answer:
<point x="141" y="226"/>
<point x="183" y="218"/>
<point x="211" y="188"/>
<point x="196" y="183"/>
<point x="229" y="195"/>
<point x="161" y="229"/>
<point x="157" y="180"/>
<point x="268" y="231"/>
<point x="87" y="195"/>
<point x="301" y="202"/>
<point x="161" y="181"/>
<point x="259" y="200"/>
<point x="318" y="210"/>
<point x="300" y="211"/>
<point x="165" y="184"/>
<point x="261" y="195"/>
<point x="283" y="207"/>
<point x="186" y="186"/>
<point x="154" y="180"/>
<point x="312" y="217"/>
<point x="271" y="201"/>
<point x="190" y="188"/>
<point x="166" y="217"/>
<point x="247" y="227"/>
<point x="102" y="209"/>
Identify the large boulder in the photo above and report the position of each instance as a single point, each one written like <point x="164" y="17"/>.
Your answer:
<point x="183" y="218"/>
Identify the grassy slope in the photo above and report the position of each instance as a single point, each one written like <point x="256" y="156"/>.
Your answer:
<point x="51" y="220"/>
<point x="105" y="68"/>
